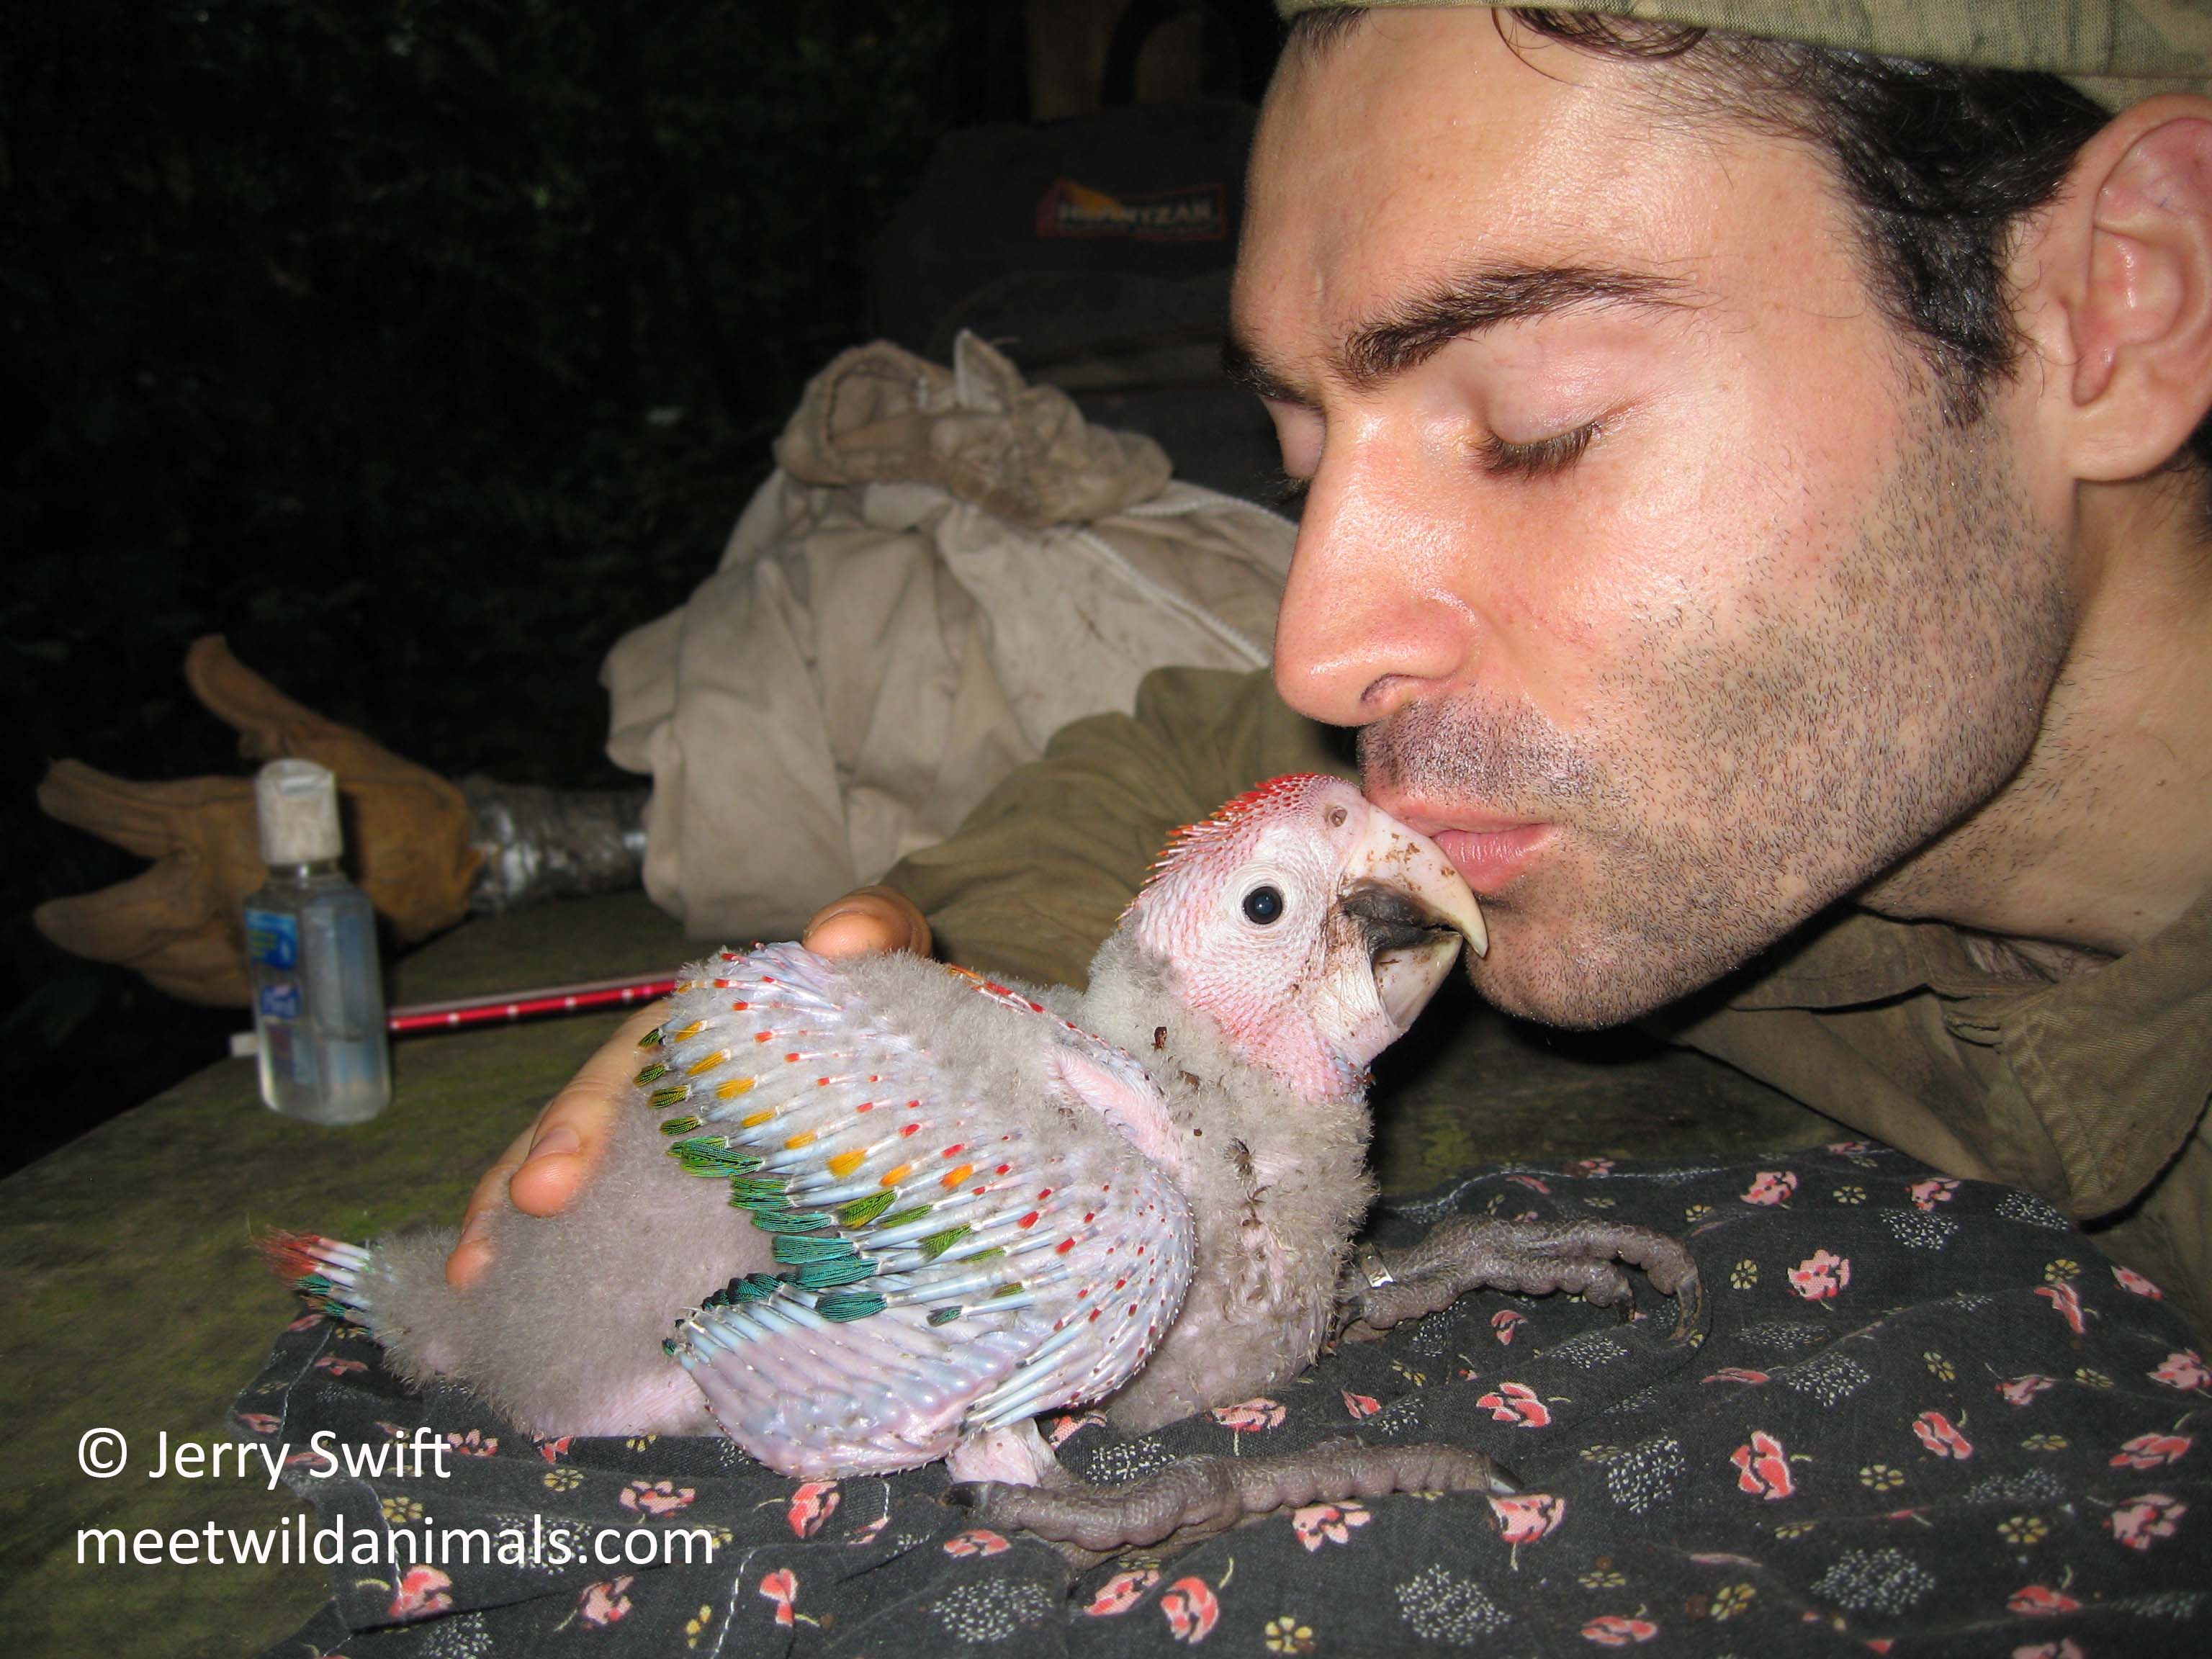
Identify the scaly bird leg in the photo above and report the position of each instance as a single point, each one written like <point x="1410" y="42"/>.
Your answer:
<point x="1194" y="1498"/>
<point x="1532" y="1258"/>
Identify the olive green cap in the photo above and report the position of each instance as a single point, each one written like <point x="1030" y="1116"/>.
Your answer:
<point x="2117" y="51"/>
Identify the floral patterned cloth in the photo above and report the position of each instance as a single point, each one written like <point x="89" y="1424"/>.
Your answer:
<point x="1925" y="1417"/>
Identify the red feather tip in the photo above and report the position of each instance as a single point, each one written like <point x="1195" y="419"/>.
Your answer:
<point x="292" y="1256"/>
<point x="1228" y="819"/>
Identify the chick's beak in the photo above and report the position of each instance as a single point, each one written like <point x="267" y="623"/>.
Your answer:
<point x="1412" y="908"/>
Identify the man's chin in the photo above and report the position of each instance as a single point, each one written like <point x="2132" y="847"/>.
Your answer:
<point x="1580" y="984"/>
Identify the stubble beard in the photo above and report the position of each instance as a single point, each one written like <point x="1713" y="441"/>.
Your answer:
<point x="1735" y="780"/>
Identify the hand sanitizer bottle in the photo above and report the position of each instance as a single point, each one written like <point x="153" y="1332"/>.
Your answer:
<point x="311" y="938"/>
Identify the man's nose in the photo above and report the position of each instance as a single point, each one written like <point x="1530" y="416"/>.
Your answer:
<point x="1373" y="615"/>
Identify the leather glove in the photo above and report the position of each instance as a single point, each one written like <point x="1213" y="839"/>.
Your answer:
<point x="181" y="923"/>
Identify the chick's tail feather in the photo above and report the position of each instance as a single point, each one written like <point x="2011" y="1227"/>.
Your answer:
<point x="327" y="1272"/>
<point x="395" y="1288"/>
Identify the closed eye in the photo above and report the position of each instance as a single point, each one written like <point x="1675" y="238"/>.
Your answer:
<point x="1502" y="459"/>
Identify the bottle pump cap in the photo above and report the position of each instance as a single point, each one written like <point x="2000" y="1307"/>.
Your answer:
<point x="298" y="804"/>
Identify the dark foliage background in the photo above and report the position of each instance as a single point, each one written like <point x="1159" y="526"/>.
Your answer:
<point x="421" y="347"/>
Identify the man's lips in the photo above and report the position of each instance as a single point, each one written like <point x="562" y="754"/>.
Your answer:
<point x="1489" y="859"/>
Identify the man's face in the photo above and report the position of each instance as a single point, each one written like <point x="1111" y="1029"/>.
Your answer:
<point x="1635" y="538"/>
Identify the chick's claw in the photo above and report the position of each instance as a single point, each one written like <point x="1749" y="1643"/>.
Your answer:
<point x="1582" y="1256"/>
<point x="1194" y="1498"/>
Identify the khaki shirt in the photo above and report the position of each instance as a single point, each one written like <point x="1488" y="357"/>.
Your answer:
<point x="2089" y="1090"/>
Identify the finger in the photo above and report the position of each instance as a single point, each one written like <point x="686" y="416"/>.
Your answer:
<point x="471" y="1254"/>
<point x="139" y="818"/>
<point x="160" y="923"/>
<point x="867" y="920"/>
<point x="165" y="922"/>
<point x="572" y="1131"/>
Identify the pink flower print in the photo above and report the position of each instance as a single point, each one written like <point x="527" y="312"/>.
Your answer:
<point x="1845" y="1148"/>
<point x="337" y="1367"/>
<point x="2134" y="1284"/>
<point x="1530" y="1181"/>
<point x="2039" y="1598"/>
<point x="604" y="1604"/>
<point x="1328" y="1523"/>
<point x="1360" y="1405"/>
<point x="554" y="1450"/>
<point x="1737" y="1374"/>
<point x="976" y="1540"/>
<point x="472" y="1445"/>
<point x="1067" y="1424"/>
<point x="1771" y="1187"/>
<point x="2067" y="1300"/>
<point x="258" y="1422"/>
<point x="1250" y="1416"/>
<point x="2139" y="1520"/>
<point x="1936" y="1189"/>
<point x="1506" y="1322"/>
<point x="656" y="1496"/>
<point x="1516" y="1403"/>
<point x="867" y="1534"/>
<point x="303" y="1322"/>
<point x="1937" y="1432"/>
<point x="1191" y="1610"/>
<point x="1614" y="1630"/>
<point x="1526" y="1516"/>
<point x="2067" y="1649"/>
<point x="422" y="1592"/>
<point x="1820" y="1275"/>
<point x="1594" y="1166"/>
<point x="2150" y="1452"/>
<point x="812" y="1506"/>
<point x="781" y="1587"/>
<point x="2183" y="1370"/>
<point x="1121" y="1592"/>
<point x="2019" y="1390"/>
<point x="1763" y="1467"/>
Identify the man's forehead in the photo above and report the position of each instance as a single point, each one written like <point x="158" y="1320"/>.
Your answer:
<point x="1430" y="154"/>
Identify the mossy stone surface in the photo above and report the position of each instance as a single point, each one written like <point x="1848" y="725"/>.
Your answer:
<point x="131" y="1298"/>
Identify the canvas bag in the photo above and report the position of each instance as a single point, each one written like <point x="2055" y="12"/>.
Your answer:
<point x="946" y="566"/>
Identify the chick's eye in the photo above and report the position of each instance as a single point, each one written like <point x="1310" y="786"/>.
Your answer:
<point x="1262" y="905"/>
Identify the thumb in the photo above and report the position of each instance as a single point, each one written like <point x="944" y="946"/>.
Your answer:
<point x="867" y="920"/>
<point x="268" y="723"/>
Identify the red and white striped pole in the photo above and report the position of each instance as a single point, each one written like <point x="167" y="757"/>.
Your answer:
<point x="581" y="998"/>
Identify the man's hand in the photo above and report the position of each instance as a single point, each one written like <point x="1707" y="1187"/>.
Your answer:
<point x="867" y="920"/>
<point x="549" y="1162"/>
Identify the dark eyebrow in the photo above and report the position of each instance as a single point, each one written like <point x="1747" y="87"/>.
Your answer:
<point x="1416" y="329"/>
<point x="1245" y="367"/>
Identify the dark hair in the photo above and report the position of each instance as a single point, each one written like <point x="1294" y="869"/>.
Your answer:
<point x="1939" y="163"/>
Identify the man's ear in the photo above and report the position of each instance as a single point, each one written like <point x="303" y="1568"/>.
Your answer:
<point x="2119" y="290"/>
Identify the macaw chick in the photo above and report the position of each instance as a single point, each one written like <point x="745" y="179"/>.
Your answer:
<point x="926" y="1207"/>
